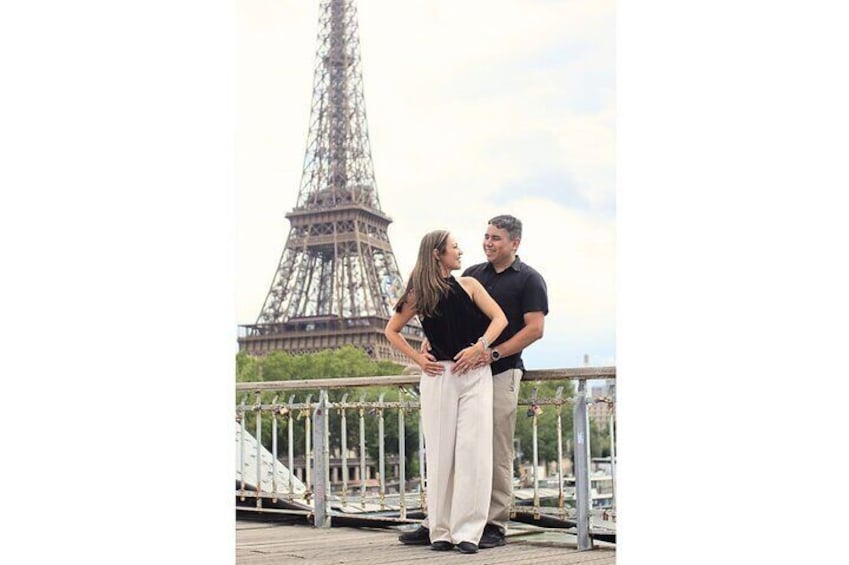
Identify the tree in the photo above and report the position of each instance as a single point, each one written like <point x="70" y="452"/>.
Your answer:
<point x="345" y="362"/>
<point x="546" y="420"/>
<point x="599" y="440"/>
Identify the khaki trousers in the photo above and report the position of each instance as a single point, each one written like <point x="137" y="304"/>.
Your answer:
<point x="505" y="398"/>
<point x="457" y="421"/>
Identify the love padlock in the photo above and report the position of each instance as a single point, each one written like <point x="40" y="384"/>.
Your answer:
<point x="534" y="410"/>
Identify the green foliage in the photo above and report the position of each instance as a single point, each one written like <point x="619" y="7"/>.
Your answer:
<point x="546" y="420"/>
<point x="282" y="366"/>
<point x="348" y="361"/>
<point x="547" y="428"/>
<point x="247" y="368"/>
<point x="599" y="440"/>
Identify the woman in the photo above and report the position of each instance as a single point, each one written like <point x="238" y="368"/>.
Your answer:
<point x="460" y="320"/>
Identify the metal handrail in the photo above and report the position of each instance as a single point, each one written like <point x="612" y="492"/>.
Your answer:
<point x="317" y="480"/>
<point x="578" y="373"/>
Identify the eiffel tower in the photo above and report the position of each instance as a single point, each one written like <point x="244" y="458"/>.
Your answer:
<point x="337" y="280"/>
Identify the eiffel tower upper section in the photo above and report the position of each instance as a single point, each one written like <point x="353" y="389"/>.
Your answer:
<point x="337" y="279"/>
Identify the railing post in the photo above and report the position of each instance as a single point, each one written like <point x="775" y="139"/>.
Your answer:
<point x="258" y="410"/>
<point x="291" y="437"/>
<point x="321" y="480"/>
<point x="363" y="473"/>
<point x="382" y="448"/>
<point x="582" y="470"/>
<point x="275" y="409"/>
<point x="343" y="427"/>
<point x="308" y="447"/>
<point x="534" y="413"/>
<point x="612" y="457"/>
<point x="560" y="501"/>
<point x="242" y="417"/>
<point x="402" y="457"/>
<point x="422" y="470"/>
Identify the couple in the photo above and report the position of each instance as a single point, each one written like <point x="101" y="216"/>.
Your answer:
<point x="476" y="329"/>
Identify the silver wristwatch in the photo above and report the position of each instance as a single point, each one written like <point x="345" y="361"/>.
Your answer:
<point x="495" y="355"/>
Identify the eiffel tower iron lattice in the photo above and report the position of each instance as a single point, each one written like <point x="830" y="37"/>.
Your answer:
<point x="337" y="279"/>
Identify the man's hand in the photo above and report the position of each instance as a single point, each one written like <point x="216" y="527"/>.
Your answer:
<point x="485" y="358"/>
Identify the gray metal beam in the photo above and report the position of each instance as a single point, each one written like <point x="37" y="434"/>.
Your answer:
<point x="321" y="479"/>
<point x="582" y="469"/>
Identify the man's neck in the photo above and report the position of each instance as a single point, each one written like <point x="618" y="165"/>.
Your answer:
<point x="499" y="267"/>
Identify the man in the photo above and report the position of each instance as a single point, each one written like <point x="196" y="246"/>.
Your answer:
<point x="521" y="292"/>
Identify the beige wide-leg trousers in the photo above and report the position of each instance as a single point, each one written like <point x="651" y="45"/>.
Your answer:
<point x="457" y="422"/>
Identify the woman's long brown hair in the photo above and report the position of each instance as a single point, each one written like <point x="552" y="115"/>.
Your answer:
<point x="426" y="285"/>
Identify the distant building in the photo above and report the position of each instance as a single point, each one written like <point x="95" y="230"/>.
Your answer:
<point x="601" y="404"/>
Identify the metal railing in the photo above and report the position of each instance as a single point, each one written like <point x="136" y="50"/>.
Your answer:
<point x="314" y="498"/>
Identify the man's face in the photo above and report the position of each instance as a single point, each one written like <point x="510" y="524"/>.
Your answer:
<point x="497" y="245"/>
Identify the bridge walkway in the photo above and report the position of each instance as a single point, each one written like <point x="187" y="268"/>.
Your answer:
<point x="260" y="543"/>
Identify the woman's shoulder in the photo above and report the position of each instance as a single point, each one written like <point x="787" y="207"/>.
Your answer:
<point x="469" y="283"/>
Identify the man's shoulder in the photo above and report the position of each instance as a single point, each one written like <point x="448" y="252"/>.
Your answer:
<point x="475" y="269"/>
<point x="528" y="270"/>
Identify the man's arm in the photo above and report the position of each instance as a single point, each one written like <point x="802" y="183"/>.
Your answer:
<point x="533" y="330"/>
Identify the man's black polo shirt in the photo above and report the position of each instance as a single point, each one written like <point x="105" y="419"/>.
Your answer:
<point x="518" y="289"/>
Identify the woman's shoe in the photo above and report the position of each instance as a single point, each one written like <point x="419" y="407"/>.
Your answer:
<point x="442" y="545"/>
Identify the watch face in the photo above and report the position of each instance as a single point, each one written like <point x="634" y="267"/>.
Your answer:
<point x="496" y="355"/>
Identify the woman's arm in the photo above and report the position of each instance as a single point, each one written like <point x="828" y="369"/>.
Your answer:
<point x="468" y="357"/>
<point x="396" y="338"/>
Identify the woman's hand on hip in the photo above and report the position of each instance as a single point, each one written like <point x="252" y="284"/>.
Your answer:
<point x="430" y="366"/>
<point x="467" y="359"/>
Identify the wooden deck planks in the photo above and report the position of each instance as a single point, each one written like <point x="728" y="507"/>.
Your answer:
<point x="260" y="544"/>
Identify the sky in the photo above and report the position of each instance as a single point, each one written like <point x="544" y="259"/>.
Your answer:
<point x="474" y="109"/>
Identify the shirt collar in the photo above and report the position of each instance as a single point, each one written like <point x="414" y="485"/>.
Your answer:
<point x="516" y="265"/>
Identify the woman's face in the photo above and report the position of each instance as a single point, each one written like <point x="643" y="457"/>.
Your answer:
<point x="450" y="258"/>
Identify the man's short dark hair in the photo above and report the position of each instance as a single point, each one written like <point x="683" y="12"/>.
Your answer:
<point x="511" y="224"/>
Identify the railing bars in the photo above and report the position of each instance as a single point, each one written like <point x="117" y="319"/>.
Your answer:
<point x="317" y="481"/>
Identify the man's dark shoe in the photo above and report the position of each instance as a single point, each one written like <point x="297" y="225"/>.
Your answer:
<point x="442" y="545"/>
<point x="492" y="537"/>
<point x="419" y="536"/>
<point x="467" y="547"/>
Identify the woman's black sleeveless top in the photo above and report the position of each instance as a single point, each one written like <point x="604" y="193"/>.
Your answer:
<point x="457" y="324"/>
